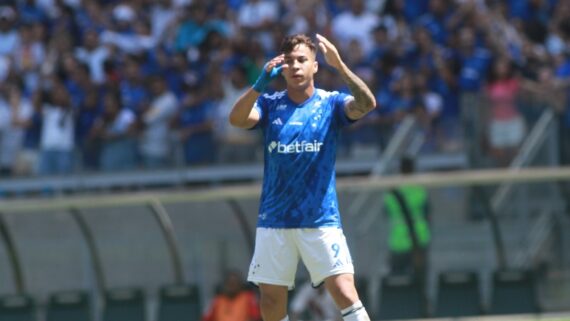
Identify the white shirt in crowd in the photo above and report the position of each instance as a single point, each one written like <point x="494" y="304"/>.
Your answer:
<point x="121" y="123"/>
<point x="12" y="136"/>
<point x="253" y="14"/>
<point x="433" y="103"/>
<point x="129" y="43"/>
<point x="161" y="18"/>
<point x="57" y="129"/>
<point x="155" y="138"/>
<point x="224" y="130"/>
<point x="9" y="42"/>
<point x="94" y="60"/>
<point x="344" y="31"/>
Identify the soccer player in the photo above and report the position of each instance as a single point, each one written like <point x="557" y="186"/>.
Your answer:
<point x="298" y="214"/>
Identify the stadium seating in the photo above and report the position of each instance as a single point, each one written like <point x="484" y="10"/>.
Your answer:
<point x="69" y="306"/>
<point x="17" y="308"/>
<point x="458" y="295"/>
<point x="514" y="292"/>
<point x="401" y="297"/>
<point x="179" y="303"/>
<point x="124" y="304"/>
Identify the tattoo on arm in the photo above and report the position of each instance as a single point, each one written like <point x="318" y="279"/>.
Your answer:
<point x="364" y="100"/>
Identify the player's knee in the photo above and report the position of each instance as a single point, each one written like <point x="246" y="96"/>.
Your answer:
<point x="268" y="303"/>
<point x="342" y="289"/>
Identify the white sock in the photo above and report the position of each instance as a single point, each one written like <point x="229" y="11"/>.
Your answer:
<point x="355" y="312"/>
<point x="286" y="318"/>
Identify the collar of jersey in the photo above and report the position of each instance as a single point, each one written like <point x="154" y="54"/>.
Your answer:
<point x="301" y="105"/>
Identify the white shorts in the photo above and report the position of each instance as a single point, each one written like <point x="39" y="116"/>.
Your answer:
<point x="507" y="133"/>
<point x="277" y="252"/>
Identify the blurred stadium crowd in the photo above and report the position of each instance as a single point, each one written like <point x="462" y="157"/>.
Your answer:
<point x="125" y="84"/>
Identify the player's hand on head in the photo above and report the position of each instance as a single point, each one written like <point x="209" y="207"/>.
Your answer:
<point x="271" y="70"/>
<point x="276" y="62"/>
<point x="330" y="52"/>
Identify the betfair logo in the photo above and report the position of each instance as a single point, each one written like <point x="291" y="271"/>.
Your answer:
<point x="295" y="147"/>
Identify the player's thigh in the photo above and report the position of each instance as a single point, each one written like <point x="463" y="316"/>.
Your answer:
<point x="274" y="295"/>
<point x="324" y="252"/>
<point x="275" y="258"/>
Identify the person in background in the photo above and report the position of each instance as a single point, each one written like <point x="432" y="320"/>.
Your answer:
<point x="195" y="126"/>
<point x="113" y="132"/>
<point x="28" y="56"/>
<point x="125" y="33"/>
<point x="58" y="133"/>
<point x="505" y="125"/>
<point x="93" y="54"/>
<point x="256" y="17"/>
<point x="474" y="61"/>
<point x="234" y="145"/>
<point x="430" y="108"/>
<point x="87" y="113"/>
<point x="407" y="208"/>
<point x="27" y="160"/>
<point x="134" y="94"/>
<point x="234" y="303"/>
<point x="316" y="304"/>
<point x="343" y="30"/>
<point x="155" y="140"/>
<point x="9" y="36"/>
<point x="15" y="112"/>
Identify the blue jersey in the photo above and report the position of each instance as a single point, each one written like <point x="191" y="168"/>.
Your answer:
<point x="300" y="140"/>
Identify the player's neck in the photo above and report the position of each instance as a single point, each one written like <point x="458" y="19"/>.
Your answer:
<point x="298" y="96"/>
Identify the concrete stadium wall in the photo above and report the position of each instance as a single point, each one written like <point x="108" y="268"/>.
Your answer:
<point x="134" y="252"/>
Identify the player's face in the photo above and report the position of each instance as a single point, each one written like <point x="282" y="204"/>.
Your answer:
<point x="302" y="67"/>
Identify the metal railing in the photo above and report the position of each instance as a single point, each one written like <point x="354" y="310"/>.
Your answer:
<point x="528" y="151"/>
<point x="542" y="135"/>
<point x="540" y="233"/>
<point x="393" y="152"/>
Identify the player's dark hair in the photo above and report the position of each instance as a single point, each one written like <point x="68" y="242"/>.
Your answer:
<point x="290" y="42"/>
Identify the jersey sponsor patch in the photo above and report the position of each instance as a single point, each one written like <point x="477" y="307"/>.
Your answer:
<point x="295" y="147"/>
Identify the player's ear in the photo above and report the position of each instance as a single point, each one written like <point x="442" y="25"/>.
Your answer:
<point x="315" y="66"/>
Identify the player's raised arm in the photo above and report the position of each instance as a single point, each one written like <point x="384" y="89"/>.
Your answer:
<point x="243" y="115"/>
<point x="364" y="100"/>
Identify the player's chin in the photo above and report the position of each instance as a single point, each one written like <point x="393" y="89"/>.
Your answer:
<point x="297" y="87"/>
<point x="297" y="83"/>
